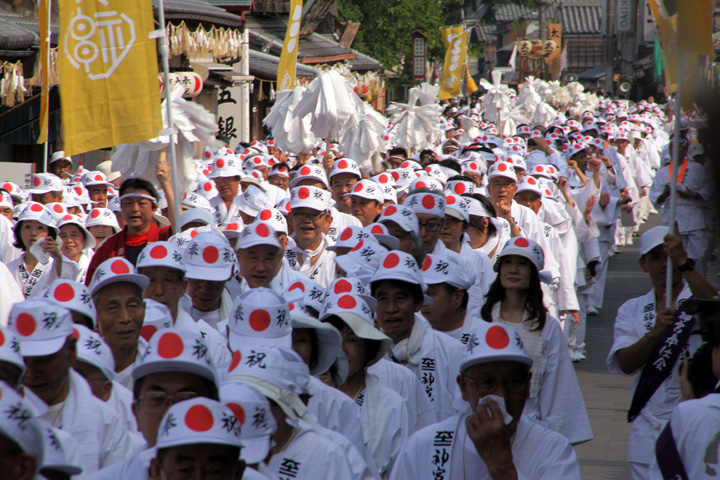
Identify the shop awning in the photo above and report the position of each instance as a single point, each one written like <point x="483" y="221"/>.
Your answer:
<point x="265" y="67"/>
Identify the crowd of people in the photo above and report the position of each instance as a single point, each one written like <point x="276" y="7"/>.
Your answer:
<point x="306" y="318"/>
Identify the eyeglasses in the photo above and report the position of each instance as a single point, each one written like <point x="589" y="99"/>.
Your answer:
<point x="488" y="385"/>
<point x="505" y="185"/>
<point x="186" y="470"/>
<point x="309" y="216"/>
<point x="157" y="401"/>
<point x="430" y="226"/>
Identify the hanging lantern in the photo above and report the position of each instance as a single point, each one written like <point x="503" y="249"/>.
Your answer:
<point x="192" y="83"/>
<point x="549" y="46"/>
<point x="524" y="48"/>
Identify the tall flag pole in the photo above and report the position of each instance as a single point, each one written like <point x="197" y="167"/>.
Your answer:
<point x="44" y="20"/>
<point x="288" y="58"/>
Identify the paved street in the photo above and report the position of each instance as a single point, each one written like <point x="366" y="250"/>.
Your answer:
<point x="607" y="397"/>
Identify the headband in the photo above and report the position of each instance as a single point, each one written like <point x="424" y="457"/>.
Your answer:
<point x="139" y="195"/>
<point x="477" y="208"/>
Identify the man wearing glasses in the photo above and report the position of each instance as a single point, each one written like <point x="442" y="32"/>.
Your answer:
<point x="429" y="207"/>
<point x="491" y="438"/>
<point x="311" y="220"/>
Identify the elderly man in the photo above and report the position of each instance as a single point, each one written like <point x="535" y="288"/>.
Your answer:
<point x="366" y="201"/>
<point x="117" y="292"/>
<point x="45" y="331"/>
<point x="491" y="438"/>
<point x="162" y="263"/>
<point x="311" y="219"/>
<point x="61" y="166"/>
<point x="97" y="187"/>
<point x="46" y="188"/>
<point x="652" y="339"/>
<point x="226" y="174"/>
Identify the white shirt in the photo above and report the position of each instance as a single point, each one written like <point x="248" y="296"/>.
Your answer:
<point x="9" y="294"/>
<point x="322" y="271"/>
<point x="340" y="222"/>
<point x="216" y="343"/>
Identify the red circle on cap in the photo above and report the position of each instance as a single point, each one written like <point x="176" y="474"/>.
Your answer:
<point x="540" y="169"/>
<point x="303" y="193"/>
<point x="502" y="167"/>
<point x="211" y="254"/>
<point x="2" y="338"/>
<point x="220" y="163"/>
<point x="119" y="267"/>
<point x="460" y="188"/>
<point x="377" y="229"/>
<point x="297" y="285"/>
<point x="158" y="251"/>
<point x="427" y="263"/>
<point x="58" y="209"/>
<point x="265" y="215"/>
<point x="473" y="166"/>
<point x="391" y="261"/>
<point x="95" y="213"/>
<point x="25" y="324"/>
<point x="236" y="357"/>
<point x="7" y="187"/>
<point x="451" y="199"/>
<point x="36" y="207"/>
<point x="497" y="338"/>
<point x="238" y="410"/>
<point x="389" y="211"/>
<point x="98" y="178"/>
<point x="257" y="160"/>
<point x="522" y="242"/>
<point x="428" y="202"/>
<point x="148" y="331"/>
<point x="64" y="292"/>
<point x="343" y="286"/>
<point x="207" y="186"/>
<point x="421" y="184"/>
<point x="346" y="234"/>
<point x="343" y="164"/>
<point x="232" y="226"/>
<point x="358" y="246"/>
<point x="531" y="181"/>
<point x="193" y="233"/>
<point x="170" y="345"/>
<point x="305" y="171"/>
<point x="259" y="320"/>
<point x="262" y="230"/>
<point x="75" y="334"/>
<point x="358" y="187"/>
<point x="199" y="418"/>
<point x="207" y="155"/>
<point x="405" y="164"/>
<point x="395" y="175"/>
<point x="67" y="218"/>
<point x="383" y="179"/>
<point x="36" y="181"/>
<point x="347" y="302"/>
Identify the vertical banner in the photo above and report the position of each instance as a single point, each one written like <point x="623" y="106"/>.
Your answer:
<point x="44" y="31"/>
<point x="452" y="74"/>
<point x="667" y="39"/>
<point x="109" y="74"/>
<point x="448" y="33"/>
<point x="555" y="33"/>
<point x="470" y="84"/>
<point x="288" y="57"/>
<point x="694" y="35"/>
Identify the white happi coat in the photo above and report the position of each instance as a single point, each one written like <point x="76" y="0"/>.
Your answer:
<point x="285" y="277"/>
<point x="434" y="358"/>
<point x="124" y="378"/>
<point x="404" y="382"/>
<point x="336" y="411"/>
<point x="120" y="401"/>
<point x="100" y="433"/>
<point x="479" y="264"/>
<point x="9" y="294"/>
<point x="340" y="222"/>
<point x="216" y="343"/>
<point x="445" y="452"/>
<point x="634" y="319"/>
<point x="137" y="467"/>
<point x="696" y="430"/>
<point x="210" y="318"/>
<point x="472" y="321"/>
<point x="689" y="212"/>
<point x="559" y="402"/>
<point x="306" y="457"/>
<point x="323" y="271"/>
<point x="222" y="213"/>
<point x="31" y="283"/>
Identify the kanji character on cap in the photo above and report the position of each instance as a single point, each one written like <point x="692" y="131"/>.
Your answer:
<point x="11" y="358"/>
<point x="312" y="295"/>
<point x="457" y="207"/>
<point x="382" y="235"/>
<point x="402" y="216"/>
<point x="116" y="270"/>
<point x="20" y="427"/>
<point x="345" y="165"/>
<point x="41" y="326"/>
<point x="92" y="350"/>
<point x="55" y="460"/>
<point x="259" y="317"/>
<point x="209" y="256"/>
<point x="347" y="239"/>
<point x="310" y="197"/>
<point x="363" y="259"/>
<point x="310" y="175"/>
<point x="76" y="297"/>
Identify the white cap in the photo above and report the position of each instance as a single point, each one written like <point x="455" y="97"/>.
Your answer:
<point x="357" y="315"/>
<point x="106" y="168"/>
<point x="310" y="197"/>
<point x="427" y="203"/>
<point x="44" y="183"/>
<point x="116" y="270"/>
<point x="209" y="256"/>
<point x="365" y="256"/>
<point x="102" y="216"/>
<point x="457" y="207"/>
<point x="252" y="200"/>
<point x="195" y="200"/>
<point x="227" y="165"/>
<point x="75" y="220"/>
<point x="426" y="181"/>
<point x="313" y="293"/>
<point x="523" y="247"/>
<point x="258" y="233"/>
<point x="437" y="172"/>
<point x="494" y="342"/>
<point x="161" y="254"/>
<point x="328" y="341"/>
<point x="95" y="178"/>
<point x="92" y="349"/>
<point x="283" y="206"/>
<point x="576" y="147"/>
<point x="59" y="155"/>
<point x="273" y="218"/>
<point x="345" y="165"/>
<point x="254" y="161"/>
<point x="381" y="233"/>
<point x="36" y="211"/>
<point x="412" y="164"/>
<point x="652" y="238"/>
<point x="74" y="296"/>
<point x="175" y="350"/>
<point x="310" y="172"/>
<point x="6" y="200"/>
<point x="384" y="179"/>
<point x="367" y="189"/>
<point x="439" y="268"/>
<point x="349" y="237"/>
<point x="157" y="317"/>
<point x="196" y="215"/>
<point x="18" y="423"/>
<point x="502" y="169"/>
<point x="277" y="372"/>
<point x="401" y="266"/>
<point x="460" y="187"/>
<point x="541" y="171"/>
<point x="14" y="190"/>
<point x="259" y="316"/>
<point x="55" y="459"/>
<point x="279" y="169"/>
<point x="41" y="326"/>
<point x="197" y="421"/>
<point x="529" y="184"/>
<point x="206" y="188"/>
<point x="352" y="285"/>
<point x="57" y="209"/>
<point x="403" y="216"/>
<point x="252" y="410"/>
<point x="10" y="350"/>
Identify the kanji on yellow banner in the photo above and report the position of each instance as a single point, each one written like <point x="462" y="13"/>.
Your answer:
<point x="108" y="66"/>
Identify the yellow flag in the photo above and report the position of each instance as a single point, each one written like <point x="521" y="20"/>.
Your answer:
<point x="288" y="57"/>
<point x="449" y="32"/>
<point x="469" y="81"/>
<point x="108" y="65"/>
<point x="667" y="39"/>
<point x="694" y="36"/>
<point x="44" y="27"/>
<point x="455" y="58"/>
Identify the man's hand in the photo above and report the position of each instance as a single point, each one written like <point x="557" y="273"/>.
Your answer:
<point x="492" y="440"/>
<point x="665" y="318"/>
<point x="163" y="171"/>
<point x="604" y="200"/>
<point x="563" y="184"/>
<point x="594" y="165"/>
<point x="503" y="211"/>
<point x="686" y="389"/>
<point x="674" y="249"/>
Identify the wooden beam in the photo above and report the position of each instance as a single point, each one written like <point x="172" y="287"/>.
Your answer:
<point x="348" y="35"/>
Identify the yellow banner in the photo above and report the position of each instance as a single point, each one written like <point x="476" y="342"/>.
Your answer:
<point x="44" y="28"/>
<point x="288" y="57"/>
<point x="452" y="74"/>
<point x="108" y="66"/>
<point x="470" y="84"/>
<point x="449" y="32"/>
<point x="667" y="39"/>
<point x="694" y="34"/>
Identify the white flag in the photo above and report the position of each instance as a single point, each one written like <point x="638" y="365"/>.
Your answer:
<point x="513" y="57"/>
